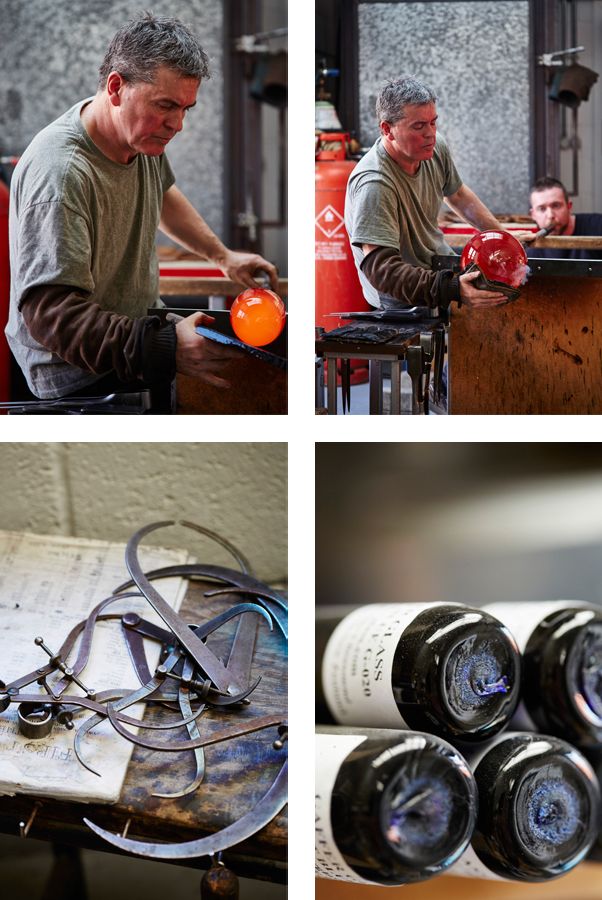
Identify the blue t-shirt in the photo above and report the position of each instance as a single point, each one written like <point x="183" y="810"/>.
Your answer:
<point x="586" y="225"/>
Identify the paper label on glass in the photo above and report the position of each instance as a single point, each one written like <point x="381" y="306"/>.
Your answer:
<point x="470" y="866"/>
<point x="358" y="664"/>
<point x="522" y="618"/>
<point x="331" y="750"/>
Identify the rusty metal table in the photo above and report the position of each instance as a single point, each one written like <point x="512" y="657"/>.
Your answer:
<point x="238" y="773"/>
<point x="539" y="355"/>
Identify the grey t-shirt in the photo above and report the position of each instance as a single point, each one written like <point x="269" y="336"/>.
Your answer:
<point x="77" y="218"/>
<point x="389" y="208"/>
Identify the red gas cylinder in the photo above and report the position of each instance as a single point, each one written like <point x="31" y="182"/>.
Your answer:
<point x="4" y="292"/>
<point x="338" y="287"/>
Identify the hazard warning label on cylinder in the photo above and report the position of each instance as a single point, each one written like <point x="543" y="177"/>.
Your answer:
<point x="332" y="250"/>
<point x="329" y="221"/>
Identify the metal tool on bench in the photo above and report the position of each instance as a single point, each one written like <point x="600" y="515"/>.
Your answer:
<point x="264" y="355"/>
<point x="427" y="342"/>
<point x="543" y="232"/>
<point x="400" y="314"/>
<point x="345" y="370"/>
<point x="190" y="673"/>
<point x="415" y="368"/>
<point x="438" y="363"/>
<point x="366" y="333"/>
<point x="111" y="404"/>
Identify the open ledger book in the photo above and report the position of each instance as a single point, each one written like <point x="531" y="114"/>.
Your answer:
<point x="47" y="585"/>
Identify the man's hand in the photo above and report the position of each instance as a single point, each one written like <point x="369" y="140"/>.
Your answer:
<point x="241" y="267"/>
<point x="182" y="223"/>
<point x="199" y="356"/>
<point x="475" y="298"/>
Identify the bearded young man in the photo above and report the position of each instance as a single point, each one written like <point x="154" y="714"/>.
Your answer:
<point x="551" y="207"/>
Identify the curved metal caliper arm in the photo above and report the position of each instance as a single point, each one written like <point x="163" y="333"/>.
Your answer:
<point x="99" y="709"/>
<point x="145" y="693"/>
<point x="216" y="573"/>
<point x="202" y="655"/>
<point x="193" y="733"/>
<point x="85" y="646"/>
<point x="134" y="625"/>
<point x="257" y="818"/>
<point x="274" y="609"/>
<point x="242" y="560"/>
<point x="86" y="626"/>
<point x="262" y="593"/>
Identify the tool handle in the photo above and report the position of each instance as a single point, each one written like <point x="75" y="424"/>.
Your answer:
<point x="262" y="278"/>
<point x="543" y="232"/>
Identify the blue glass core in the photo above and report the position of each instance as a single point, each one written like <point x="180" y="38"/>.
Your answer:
<point x="551" y="813"/>
<point x="590" y="665"/>
<point x="418" y="813"/>
<point x="476" y="671"/>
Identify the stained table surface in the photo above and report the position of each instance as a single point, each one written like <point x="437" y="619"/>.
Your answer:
<point x="238" y="772"/>
<point x="541" y="354"/>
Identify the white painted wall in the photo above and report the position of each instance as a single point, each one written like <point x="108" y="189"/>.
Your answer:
<point x="108" y="490"/>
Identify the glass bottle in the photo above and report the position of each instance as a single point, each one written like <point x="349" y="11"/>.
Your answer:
<point x="439" y="667"/>
<point x="561" y="645"/>
<point x="539" y="808"/>
<point x="392" y="807"/>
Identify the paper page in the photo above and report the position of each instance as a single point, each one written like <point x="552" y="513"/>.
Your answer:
<point x="47" y="585"/>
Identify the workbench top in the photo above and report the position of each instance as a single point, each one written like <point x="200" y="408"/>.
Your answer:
<point x="238" y="772"/>
<point x="540" y="355"/>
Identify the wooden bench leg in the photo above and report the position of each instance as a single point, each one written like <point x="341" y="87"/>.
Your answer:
<point x="66" y="880"/>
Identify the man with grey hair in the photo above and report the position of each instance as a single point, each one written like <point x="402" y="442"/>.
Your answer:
<point x="393" y="199"/>
<point x="88" y="196"/>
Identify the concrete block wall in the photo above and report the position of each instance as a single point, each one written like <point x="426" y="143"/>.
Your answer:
<point x="108" y="490"/>
<point x="50" y="61"/>
<point x="475" y="56"/>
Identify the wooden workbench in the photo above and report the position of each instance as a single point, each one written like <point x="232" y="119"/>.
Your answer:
<point x="257" y="387"/>
<point x="203" y="286"/>
<point x="184" y="274"/>
<point x="539" y="355"/>
<point x="238" y="773"/>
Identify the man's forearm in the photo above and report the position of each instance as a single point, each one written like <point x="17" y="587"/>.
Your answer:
<point x="411" y="285"/>
<point x="468" y="206"/>
<point x="96" y="340"/>
<point x="182" y="223"/>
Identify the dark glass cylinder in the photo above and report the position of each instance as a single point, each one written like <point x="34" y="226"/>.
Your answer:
<point x="443" y="668"/>
<point x="562" y="672"/>
<point x="539" y="809"/>
<point x="392" y="807"/>
<point x="595" y="758"/>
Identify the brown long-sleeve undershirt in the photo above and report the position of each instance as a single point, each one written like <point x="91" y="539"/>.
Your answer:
<point x="66" y="322"/>
<point x="411" y="285"/>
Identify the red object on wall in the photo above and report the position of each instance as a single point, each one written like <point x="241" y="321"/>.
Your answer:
<point x="4" y="292"/>
<point x="338" y="287"/>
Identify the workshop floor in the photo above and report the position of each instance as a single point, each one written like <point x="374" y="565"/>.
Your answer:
<point x="360" y="398"/>
<point x="26" y="865"/>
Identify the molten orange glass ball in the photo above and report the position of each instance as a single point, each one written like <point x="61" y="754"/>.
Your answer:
<point x="257" y="316"/>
